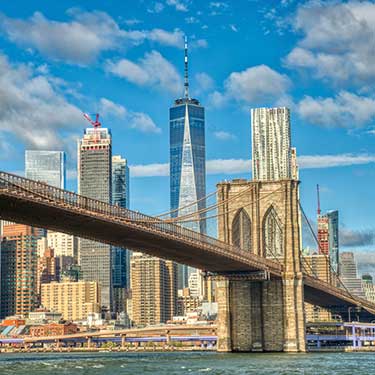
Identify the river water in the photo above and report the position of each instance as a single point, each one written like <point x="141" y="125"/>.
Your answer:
<point x="187" y="363"/>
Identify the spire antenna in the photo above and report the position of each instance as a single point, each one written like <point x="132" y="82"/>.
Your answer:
<point x="186" y="83"/>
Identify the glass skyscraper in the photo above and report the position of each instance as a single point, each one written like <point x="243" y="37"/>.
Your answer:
<point x="333" y="239"/>
<point x="94" y="181"/>
<point x="46" y="166"/>
<point x="187" y="163"/>
<point x="120" y="257"/>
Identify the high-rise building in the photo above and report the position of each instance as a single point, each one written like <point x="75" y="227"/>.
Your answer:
<point x="368" y="287"/>
<point x="120" y="257"/>
<point x="187" y="163"/>
<point x="328" y="237"/>
<point x="46" y="166"/>
<point x="348" y="274"/>
<point x="63" y="244"/>
<point x="94" y="181"/>
<point x="154" y="289"/>
<point x="271" y="144"/>
<point x="18" y="269"/>
<point x="48" y="269"/>
<point x="74" y="300"/>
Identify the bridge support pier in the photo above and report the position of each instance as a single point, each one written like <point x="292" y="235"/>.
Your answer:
<point x="261" y="316"/>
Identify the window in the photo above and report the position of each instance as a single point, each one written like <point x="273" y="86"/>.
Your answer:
<point x="272" y="234"/>
<point x="241" y="230"/>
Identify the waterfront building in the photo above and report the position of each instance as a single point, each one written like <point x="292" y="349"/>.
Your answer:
<point x="18" y="269"/>
<point x="187" y="164"/>
<point x="154" y="289"/>
<point x="74" y="300"/>
<point x="317" y="265"/>
<point x="120" y="257"/>
<point x="368" y="287"/>
<point x="94" y="181"/>
<point x="348" y="274"/>
<point x="53" y="329"/>
<point x="187" y="302"/>
<point x="271" y="144"/>
<point x="46" y="166"/>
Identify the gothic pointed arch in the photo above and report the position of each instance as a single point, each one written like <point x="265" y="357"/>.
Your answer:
<point x="272" y="234"/>
<point x="241" y="230"/>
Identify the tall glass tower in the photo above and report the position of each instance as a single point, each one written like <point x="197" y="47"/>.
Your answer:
<point x="120" y="256"/>
<point x="46" y="166"/>
<point x="187" y="163"/>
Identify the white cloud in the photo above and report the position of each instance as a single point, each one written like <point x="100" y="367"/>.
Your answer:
<point x="234" y="28"/>
<point x="237" y="166"/>
<point x="258" y="84"/>
<point x="32" y="107"/>
<point x="329" y="161"/>
<point x="179" y="5"/>
<point x="224" y="136"/>
<point x="204" y="81"/>
<point x="156" y="8"/>
<point x="336" y="43"/>
<point x="149" y="170"/>
<point x="81" y="39"/>
<point x="345" y="110"/>
<point x="152" y="70"/>
<point x="134" y="120"/>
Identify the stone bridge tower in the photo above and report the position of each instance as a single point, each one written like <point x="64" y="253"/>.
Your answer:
<point x="261" y="315"/>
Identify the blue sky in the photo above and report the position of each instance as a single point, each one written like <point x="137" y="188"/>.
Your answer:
<point x="124" y="59"/>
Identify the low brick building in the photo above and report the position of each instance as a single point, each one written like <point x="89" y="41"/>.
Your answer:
<point x="53" y="329"/>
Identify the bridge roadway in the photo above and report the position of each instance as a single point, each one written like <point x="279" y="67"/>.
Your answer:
<point x="38" y="204"/>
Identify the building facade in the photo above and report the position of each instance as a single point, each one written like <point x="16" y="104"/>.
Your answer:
<point x="74" y="300"/>
<point x="271" y="145"/>
<point x="48" y="269"/>
<point x="120" y="257"/>
<point x="94" y="181"/>
<point x="18" y="269"/>
<point x="187" y="164"/>
<point x="348" y="274"/>
<point x="46" y="166"/>
<point x="154" y="289"/>
<point x="63" y="244"/>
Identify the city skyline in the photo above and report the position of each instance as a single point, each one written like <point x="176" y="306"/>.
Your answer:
<point x="229" y="123"/>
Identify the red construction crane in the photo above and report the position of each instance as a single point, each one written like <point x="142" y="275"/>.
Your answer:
<point x="96" y="124"/>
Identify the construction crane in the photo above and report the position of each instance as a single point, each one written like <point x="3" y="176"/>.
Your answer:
<point x="96" y="124"/>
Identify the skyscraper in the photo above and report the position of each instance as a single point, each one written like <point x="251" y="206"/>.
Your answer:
<point x="187" y="162"/>
<point x="348" y="274"/>
<point x="271" y="150"/>
<point x="46" y="166"/>
<point x="154" y="289"/>
<point x="120" y="257"/>
<point x="94" y="181"/>
<point x="18" y="269"/>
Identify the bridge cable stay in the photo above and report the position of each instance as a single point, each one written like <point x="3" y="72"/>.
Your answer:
<point x="210" y="208"/>
<point x="320" y="250"/>
<point x="188" y="205"/>
<point x="228" y="211"/>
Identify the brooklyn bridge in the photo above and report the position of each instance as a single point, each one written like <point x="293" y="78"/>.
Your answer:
<point x="262" y="280"/>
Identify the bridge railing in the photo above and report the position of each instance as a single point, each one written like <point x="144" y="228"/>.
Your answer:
<point x="36" y="188"/>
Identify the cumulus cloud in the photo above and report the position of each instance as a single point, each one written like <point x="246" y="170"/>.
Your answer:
<point x="134" y="120"/>
<point x="335" y="43"/>
<point x="346" y="110"/>
<point x="258" y="84"/>
<point x="224" y="136"/>
<point x="179" y="5"/>
<point x="32" y="107"/>
<point x="151" y="70"/>
<point x="204" y="81"/>
<point x="236" y="166"/>
<point x="85" y="36"/>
